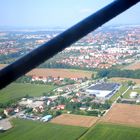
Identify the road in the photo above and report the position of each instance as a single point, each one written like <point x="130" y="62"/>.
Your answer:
<point x="65" y="95"/>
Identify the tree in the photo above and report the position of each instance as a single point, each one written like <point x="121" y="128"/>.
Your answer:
<point x="28" y="110"/>
<point x="93" y="113"/>
<point x="92" y="76"/>
<point x="56" y="113"/>
<point x="131" y="83"/>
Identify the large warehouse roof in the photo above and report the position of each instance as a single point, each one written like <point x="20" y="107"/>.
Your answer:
<point x="103" y="86"/>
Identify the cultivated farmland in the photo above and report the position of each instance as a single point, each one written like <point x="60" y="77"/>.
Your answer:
<point x="16" y="90"/>
<point x="112" y="132"/>
<point x="30" y="130"/>
<point x="123" y="114"/>
<point x="75" y="120"/>
<point x="121" y="80"/>
<point x="134" y="66"/>
<point x="63" y="73"/>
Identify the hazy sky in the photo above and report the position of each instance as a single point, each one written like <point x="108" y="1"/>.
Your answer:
<point x="52" y="13"/>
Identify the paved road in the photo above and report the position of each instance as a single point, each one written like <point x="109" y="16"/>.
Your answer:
<point x="65" y="94"/>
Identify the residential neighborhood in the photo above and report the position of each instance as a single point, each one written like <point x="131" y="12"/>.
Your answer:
<point x="104" y="48"/>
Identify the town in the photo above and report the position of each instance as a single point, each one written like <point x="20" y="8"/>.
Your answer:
<point x="104" y="48"/>
<point x="91" y="81"/>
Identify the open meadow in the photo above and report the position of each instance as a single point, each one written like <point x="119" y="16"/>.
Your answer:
<point x="30" y="130"/>
<point x="17" y="90"/>
<point x="111" y="132"/>
<point x="122" y="89"/>
<point x="127" y="94"/>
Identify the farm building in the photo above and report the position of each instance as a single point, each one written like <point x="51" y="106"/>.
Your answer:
<point x="46" y="118"/>
<point x="103" y="90"/>
<point x="133" y="94"/>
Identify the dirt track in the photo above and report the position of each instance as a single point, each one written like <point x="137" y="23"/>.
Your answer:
<point x="123" y="114"/>
<point x="75" y="120"/>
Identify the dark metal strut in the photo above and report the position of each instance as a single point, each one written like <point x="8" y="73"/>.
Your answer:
<point x="65" y="39"/>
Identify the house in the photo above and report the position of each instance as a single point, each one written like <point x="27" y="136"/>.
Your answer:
<point x="50" y="79"/>
<point x="48" y="102"/>
<point x="38" y="109"/>
<point x="83" y="108"/>
<point x="16" y="110"/>
<point x="74" y="100"/>
<point x="9" y="111"/>
<point x="60" y="107"/>
<point x="78" y="94"/>
<point x="60" y="90"/>
<point x="133" y="94"/>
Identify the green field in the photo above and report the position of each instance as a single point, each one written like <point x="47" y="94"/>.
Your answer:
<point x="127" y="94"/>
<point x="30" y="130"/>
<point x="117" y="94"/>
<point x="16" y="90"/>
<point x="112" y="132"/>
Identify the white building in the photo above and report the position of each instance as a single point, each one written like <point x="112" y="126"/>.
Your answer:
<point x="103" y="90"/>
<point x="133" y="94"/>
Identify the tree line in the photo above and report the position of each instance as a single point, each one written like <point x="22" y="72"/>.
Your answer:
<point x="118" y="73"/>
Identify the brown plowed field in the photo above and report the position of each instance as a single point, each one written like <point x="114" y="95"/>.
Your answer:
<point x="123" y="114"/>
<point x="75" y="120"/>
<point x="121" y="80"/>
<point x="134" y="66"/>
<point x="63" y="73"/>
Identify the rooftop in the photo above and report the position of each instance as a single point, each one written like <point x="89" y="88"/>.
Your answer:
<point x="103" y="86"/>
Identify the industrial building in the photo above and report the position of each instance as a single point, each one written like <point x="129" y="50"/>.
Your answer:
<point x="103" y="90"/>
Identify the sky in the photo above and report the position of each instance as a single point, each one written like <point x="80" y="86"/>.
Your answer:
<point x="57" y="13"/>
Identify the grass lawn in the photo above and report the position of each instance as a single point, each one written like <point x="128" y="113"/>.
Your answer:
<point x="31" y="130"/>
<point x="126" y="95"/>
<point x="112" y="132"/>
<point x="117" y="94"/>
<point x="16" y="90"/>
